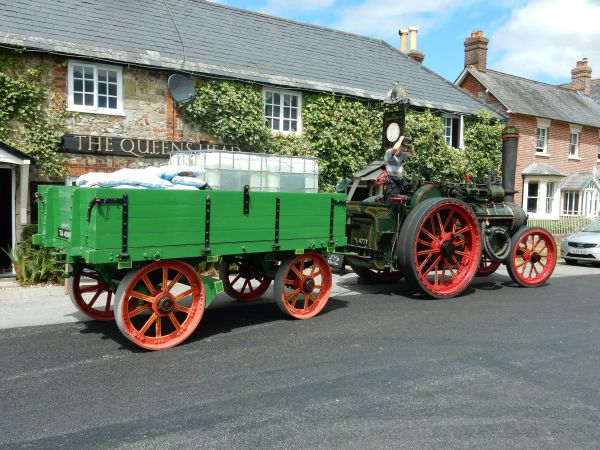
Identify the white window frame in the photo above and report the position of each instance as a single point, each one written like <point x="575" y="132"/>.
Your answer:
<point x="543" y="125"/>
<point x="546" y="207"/>
<point x="448" y="121"/>
<point x="572" y="210"/>
<point x="574" y="136"/>
<point x="281" y="117"/>
<point x="118" y="111"/>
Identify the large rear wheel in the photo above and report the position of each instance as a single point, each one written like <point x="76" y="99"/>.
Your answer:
<point x="303" y="285"/>
<point x="159" y="305"/>
<point x="91" y="295"/>
<point x="532" y="256"/>
<point x="440" y="247"/>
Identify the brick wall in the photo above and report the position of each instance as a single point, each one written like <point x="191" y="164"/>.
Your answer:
<point x="557" y="149"/>
<point x="557" y="144"/>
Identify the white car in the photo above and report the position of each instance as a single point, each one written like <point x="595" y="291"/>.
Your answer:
<point x="583" y="246"/>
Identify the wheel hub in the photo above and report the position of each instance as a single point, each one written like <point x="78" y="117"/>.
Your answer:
<point x="165" y="304"/>
<point x="447" y="249"/>
<point x="308" y="285"/>
<point x="535" y="257"/>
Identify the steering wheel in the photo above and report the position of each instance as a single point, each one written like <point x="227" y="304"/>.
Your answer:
<point x="382" y="177"/>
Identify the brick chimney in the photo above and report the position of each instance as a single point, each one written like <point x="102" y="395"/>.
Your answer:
<point x="581" y="77"/>
<point x="476" y="50"/>
<point x="413" y="53"/>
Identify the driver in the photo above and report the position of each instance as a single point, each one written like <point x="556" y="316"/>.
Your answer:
<point x="394" y="160"/>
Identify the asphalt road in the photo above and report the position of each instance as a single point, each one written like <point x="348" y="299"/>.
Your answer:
<point x="500" y="367"/>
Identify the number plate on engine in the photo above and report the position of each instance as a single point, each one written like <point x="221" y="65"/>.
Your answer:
<point x="335" y="261"/>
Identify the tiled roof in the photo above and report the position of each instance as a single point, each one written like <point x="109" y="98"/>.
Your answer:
<point x="576" y="181"/>
<point x="542" y="169"/>
<point x="523" y="96"/>
<point x="226" y="42"/>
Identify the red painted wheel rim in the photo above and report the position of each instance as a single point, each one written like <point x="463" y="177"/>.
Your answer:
<point x="306" y="285"/>
<point x="94" y="298"/>
<point x="447" y="250"/>
<point x="486" y="266"/>
<point x="534" y="257"/>
<point x="162" y="304"/>
<point x="242" y="282"/>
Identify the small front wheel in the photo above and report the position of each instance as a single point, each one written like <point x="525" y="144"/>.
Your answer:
<point x="303" y="285"/>
<point x="532" y="256"/>
<point x="159" y="305"/>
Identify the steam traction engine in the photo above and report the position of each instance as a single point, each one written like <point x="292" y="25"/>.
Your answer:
<point x="439" y="235"/>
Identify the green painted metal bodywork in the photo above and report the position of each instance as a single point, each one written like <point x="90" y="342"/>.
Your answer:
<point x="165" y="224"/>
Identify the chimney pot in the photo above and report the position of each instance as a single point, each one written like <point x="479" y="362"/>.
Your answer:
<point x="403" y="39"/>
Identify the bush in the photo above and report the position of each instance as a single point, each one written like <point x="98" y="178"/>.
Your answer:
<point x="33" y="264"/>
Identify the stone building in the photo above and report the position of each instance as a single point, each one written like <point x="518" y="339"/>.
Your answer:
<point x="559" y="127"/>
<point x="110" y="61"/>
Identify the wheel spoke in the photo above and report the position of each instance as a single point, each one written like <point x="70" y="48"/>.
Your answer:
<point x="139" y="296"/>
<point x="435" y="262"/>
<point x="182" y="309"/>
<point x="295" y="292"/>
<point x="108" y="301"/>
<point x="235" y="280"/>
<point x="428" y="252"/>
<point x="148" y="284"/>
<point x="174" y="321"/>
<point x="90" y="288"/>
<point x="183" y="295"/>
<point x="431" y="236"/>
<point x="138" y="310"/>
<point x="424" y="262"/>
<point x="299" y="274"/>
<point x="448" y="220"/>
<point x="174" y="281"/>
<point x="158" y="323"/>
<point x="148" y="323"/>
<point x="94" y="298"/>
<point x="462" y="230"/>
<point x="165" y="279"/>
<point x="439" y="218"/>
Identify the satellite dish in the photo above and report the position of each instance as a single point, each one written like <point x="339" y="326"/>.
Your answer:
<point x="182" y="89"/>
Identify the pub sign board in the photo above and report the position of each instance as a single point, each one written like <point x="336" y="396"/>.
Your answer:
<point x="137" y="148"/>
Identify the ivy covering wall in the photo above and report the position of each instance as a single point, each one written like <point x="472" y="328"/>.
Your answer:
<point x="345" y="134"/>
<point x="31" y="117"/>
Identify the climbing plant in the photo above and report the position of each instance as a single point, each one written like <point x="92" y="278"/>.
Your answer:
<point x="31" y="119"/>
<point x="345" y="134"/>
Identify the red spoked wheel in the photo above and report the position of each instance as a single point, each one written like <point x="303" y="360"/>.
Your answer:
<point x="382" y="177"/>
<point x="91" y="295"/>
<point x="159" y="305"/>
<point x="532" y="256"/>
<point x="486" y="266"/>
<point x="243" y="280"/>
<point x="303" y="285"/>
<point x="440" y="247"/>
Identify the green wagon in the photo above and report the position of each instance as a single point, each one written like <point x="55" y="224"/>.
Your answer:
<point x="133" y="254"/>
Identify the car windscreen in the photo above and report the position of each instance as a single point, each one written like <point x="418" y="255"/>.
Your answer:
<point x="593" y="227"/>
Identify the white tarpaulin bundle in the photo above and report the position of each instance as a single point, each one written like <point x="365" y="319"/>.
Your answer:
<point x="164" y="177"/>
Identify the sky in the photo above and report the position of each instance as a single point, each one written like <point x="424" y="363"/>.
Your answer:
<point x="536" y="39"/>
